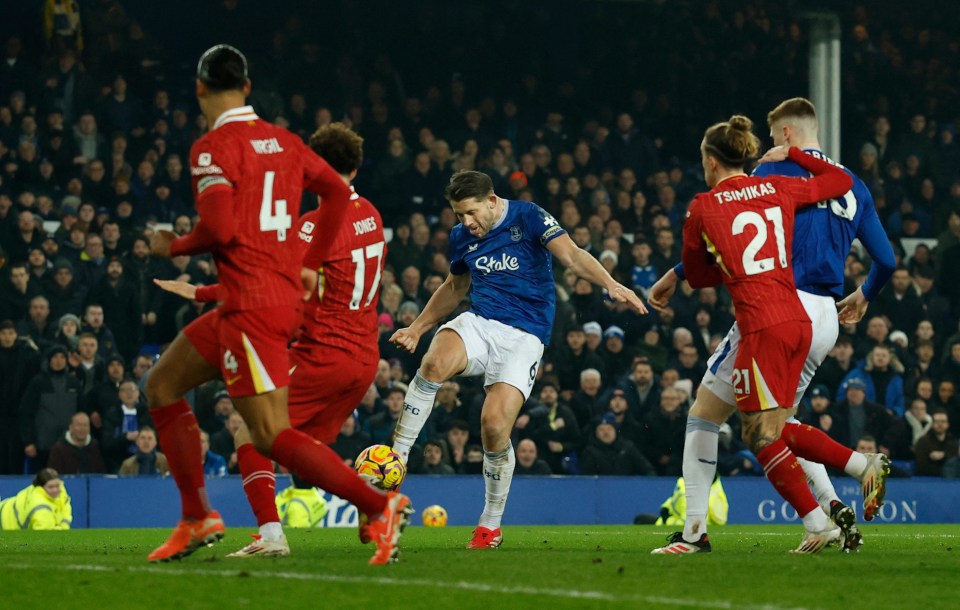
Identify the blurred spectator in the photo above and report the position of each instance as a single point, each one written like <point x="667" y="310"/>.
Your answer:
<point x="93" y="323"/>
<point x="641" y="391"/>
<point x="935" y="447"/>
<point x="51" y="398"/>
<point x="122" y="421"/>
<point x="608" y="454"/>
<point x="882" y="379"/>
<point x="571" y="359"/>
<point x="351" y="440"/>
<point x="146" y="460"/>
<point x="665" y="429"/>
<point x="104" y="394"/>
<point x="15" y="296"/>
<point x="434" y="459"/>
<point x="616" y="357"/>
<point x="527" y="461"/>
<point x="19" y="363"/>
<point x="87" y="366"/>
<point x="918" y="419"/>
<point x="862" y="416"/>
<point x="836" y="366"/>
<point x="821" y="416"/>
<point x="37" y="324"/>
<point x="381" y="425"/>
<point x="121" y="308"/>
<point x="214" y="465"/>
<point x="221" y="443"/>
<point x="457" y="436"/>
<point x="78" y="452"/>
<point x="552" y="426"/>
<point x="586" y="403"/>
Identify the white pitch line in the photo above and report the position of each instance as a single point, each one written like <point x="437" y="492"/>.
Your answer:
<point x="420" y="582"/>
<point x="869" y="534"/>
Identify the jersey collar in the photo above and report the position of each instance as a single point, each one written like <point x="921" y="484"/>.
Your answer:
<point x="503" y="216"/>
<point x="243" y="113"/>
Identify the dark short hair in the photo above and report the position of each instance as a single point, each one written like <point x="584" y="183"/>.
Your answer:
<point x="340" y="146"/>
<point x="469" y="184"/>
<point x="45" y="476"/>
<point x="459" y="424"/>
<point x="222" y="68"/>
<point x="395" y="389"/>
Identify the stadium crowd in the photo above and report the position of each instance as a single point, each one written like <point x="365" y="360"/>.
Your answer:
<point x="97" y="117"/>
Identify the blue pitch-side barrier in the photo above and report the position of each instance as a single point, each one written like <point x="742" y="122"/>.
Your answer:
<point x="109" y="502"/>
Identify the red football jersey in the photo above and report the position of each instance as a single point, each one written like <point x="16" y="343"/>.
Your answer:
<point x="342" y="312"/>
<point x="745" y="226"/>
<point x="265" y="169"/>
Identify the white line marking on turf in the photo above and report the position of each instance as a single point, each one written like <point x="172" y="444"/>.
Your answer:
<point x="870" y="534"/>
<point x="421" y="582"/>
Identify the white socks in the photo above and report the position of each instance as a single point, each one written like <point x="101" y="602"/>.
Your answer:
<point x="417" y="406"/>
<point x="856" y="465"/>
<point x="699" y="469"/>
<point x="816" y="521"/>
<point x="271" y="531"/>
<point x="497" y="476"/>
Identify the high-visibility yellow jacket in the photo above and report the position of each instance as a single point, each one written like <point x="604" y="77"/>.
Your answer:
<point x="33" y="509"/>
<point x="676" y="505"/>
<point x="301" y="507"/>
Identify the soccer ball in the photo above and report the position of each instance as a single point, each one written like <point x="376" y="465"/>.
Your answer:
<point x="381" y="466"/>
<point x="434" y="516"/>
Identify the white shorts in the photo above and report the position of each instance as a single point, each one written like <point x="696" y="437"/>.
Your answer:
<point x="499" y="352"/>
<point x="823" y="315"/>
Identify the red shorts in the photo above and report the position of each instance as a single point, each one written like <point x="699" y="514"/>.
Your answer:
<point x="325" y="387"/>
<point x="249" y="347"/>
<point x="768" y="366"/>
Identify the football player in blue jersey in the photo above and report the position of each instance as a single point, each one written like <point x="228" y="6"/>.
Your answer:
<point x="823" y="235"/>
<point x="501" y="253"/>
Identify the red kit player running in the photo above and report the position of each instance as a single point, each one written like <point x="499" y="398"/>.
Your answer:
<point x="741" y="233"/>
<point x="335" y="357"/>
<point x="245" y="171"/>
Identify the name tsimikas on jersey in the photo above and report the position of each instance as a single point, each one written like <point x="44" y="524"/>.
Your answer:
<point x="746" y="193"/>
<point x="504" y="263"/>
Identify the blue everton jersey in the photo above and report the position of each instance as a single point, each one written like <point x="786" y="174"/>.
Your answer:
<point x="511" y="268"/>
<point x="823" y="233"/>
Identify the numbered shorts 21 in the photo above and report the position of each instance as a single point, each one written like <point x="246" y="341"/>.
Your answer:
<point x="768" y="366"/>
<point x="501" y="353"/>
<point x="249" y="347"/>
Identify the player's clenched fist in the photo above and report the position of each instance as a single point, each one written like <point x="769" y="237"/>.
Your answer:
<point x="406" y="339"/>
<point x="663" y="290"/>
<point x="160" y="243"/>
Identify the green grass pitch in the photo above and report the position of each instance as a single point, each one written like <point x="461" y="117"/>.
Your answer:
<point x="537" y="567"/>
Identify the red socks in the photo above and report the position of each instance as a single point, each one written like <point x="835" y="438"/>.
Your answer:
<point x="815" y="445"/>
<point x="259" y="483"/>
<point x="321" y="467"/>
<point x="179" y="436"/>
<point x="783" y="470"/>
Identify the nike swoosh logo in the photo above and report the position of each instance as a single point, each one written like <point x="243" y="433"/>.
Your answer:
<point x="233" y="381"/>
<point x="712" y="463"/>
<point x="739" y="398"/>
<point x="292" y="369"/>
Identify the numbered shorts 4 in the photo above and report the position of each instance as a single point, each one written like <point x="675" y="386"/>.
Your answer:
<point x="325" y="387"/>
<point x="249" y="347"/>
<point x="823" y="314"/>
<point x="768" y="366"/>
<point x="501" y="353"/>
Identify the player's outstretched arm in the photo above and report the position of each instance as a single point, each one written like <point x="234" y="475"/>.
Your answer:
<point x="447" y="297"/>
<point x="584" y="265"/>
<point x="179" y="288"/>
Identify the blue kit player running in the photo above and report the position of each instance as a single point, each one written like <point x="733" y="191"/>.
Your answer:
<point x="502" y="254"/>
<point x="823" y="235"/>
